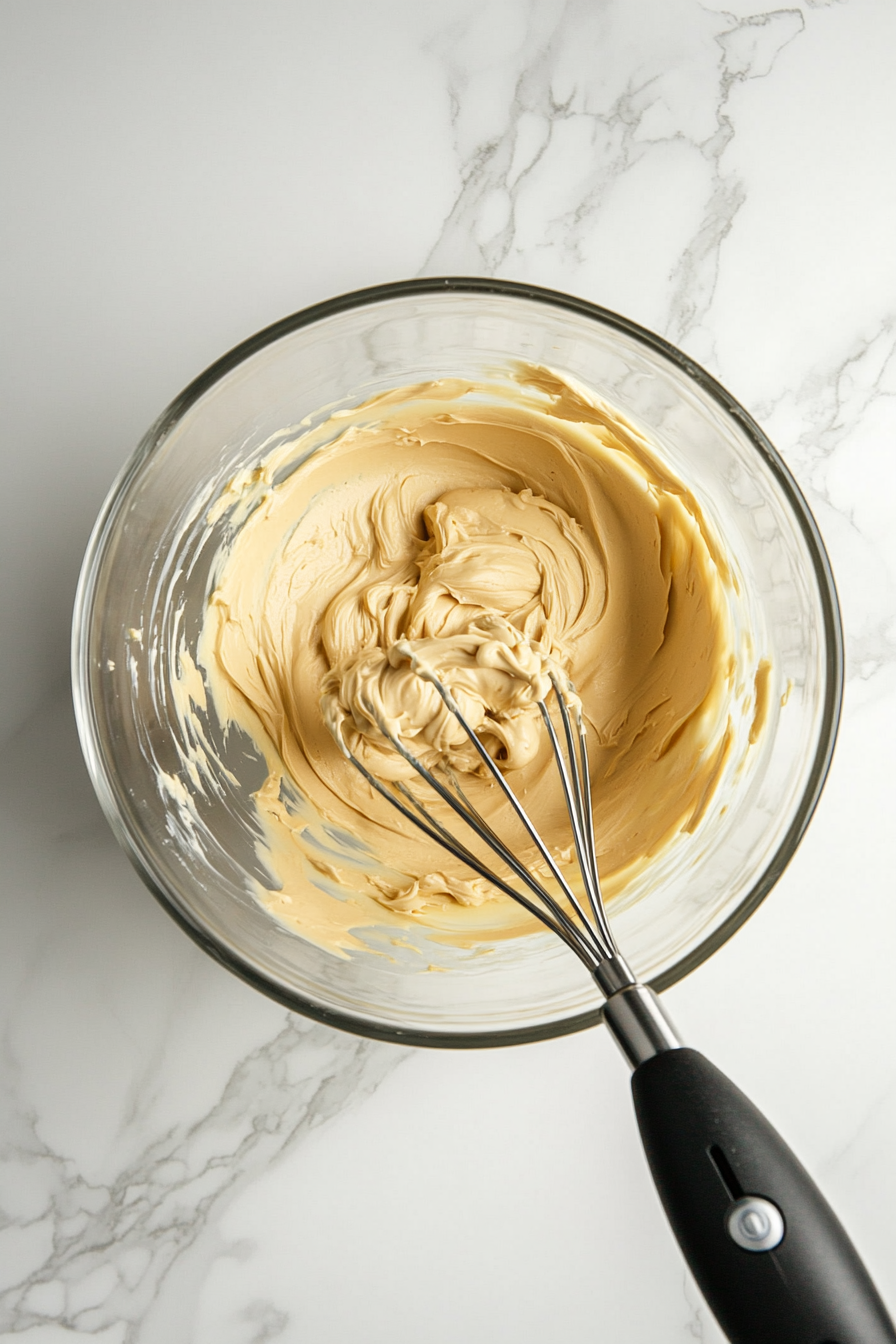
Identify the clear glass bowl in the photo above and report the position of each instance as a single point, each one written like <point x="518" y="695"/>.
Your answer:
<point x="144" y="587"/>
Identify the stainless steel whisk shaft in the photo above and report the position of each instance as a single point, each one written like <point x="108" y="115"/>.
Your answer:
<point x="633" y="1013"/>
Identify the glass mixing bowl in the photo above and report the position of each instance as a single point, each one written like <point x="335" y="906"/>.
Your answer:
<point x="143" y="594"/>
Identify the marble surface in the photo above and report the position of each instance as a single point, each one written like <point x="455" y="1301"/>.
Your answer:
<point x="183" y="1161"/>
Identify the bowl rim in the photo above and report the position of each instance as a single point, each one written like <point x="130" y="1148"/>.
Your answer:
<point x="88" y="729"/>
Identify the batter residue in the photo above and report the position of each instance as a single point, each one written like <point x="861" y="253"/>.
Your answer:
<point x="478" y="522"/>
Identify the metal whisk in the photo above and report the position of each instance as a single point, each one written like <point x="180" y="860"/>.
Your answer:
<point x="767" y="1251"/>
<point x="639" y="1023"/>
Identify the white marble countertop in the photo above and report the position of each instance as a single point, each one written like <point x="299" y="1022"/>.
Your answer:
<point x="183" y="1161"/>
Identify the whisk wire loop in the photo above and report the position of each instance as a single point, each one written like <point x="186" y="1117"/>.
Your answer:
<point x="441" y="836"/>
<point x="581" y="940"/>
<point x="564" y="928"/>
<point x="571" y="806"/>
<point x="548" y="858"/>
<point x="582" y="815"/>
<point x="590" y="937"/>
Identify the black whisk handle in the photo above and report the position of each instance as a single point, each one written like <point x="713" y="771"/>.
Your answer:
<point x="766" y="1249"/>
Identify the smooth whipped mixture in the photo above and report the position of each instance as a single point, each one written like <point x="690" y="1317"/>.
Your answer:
<point x="484" y="528"/>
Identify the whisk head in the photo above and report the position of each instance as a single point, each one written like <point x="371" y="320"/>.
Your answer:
<point x="582" y="925"/>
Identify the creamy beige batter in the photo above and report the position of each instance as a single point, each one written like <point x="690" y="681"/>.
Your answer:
<point x="489" y="527"/>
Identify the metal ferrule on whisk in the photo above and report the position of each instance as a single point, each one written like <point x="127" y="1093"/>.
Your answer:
<point x="632" y="1011"/>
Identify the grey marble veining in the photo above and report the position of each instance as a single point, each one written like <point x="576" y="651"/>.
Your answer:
<point x="95" y="1256"/>
<point x="183" y="1162"/>
<point x="571" y="126"/>
<point x="839" y="424"/>
<point x="110" y="1217"/>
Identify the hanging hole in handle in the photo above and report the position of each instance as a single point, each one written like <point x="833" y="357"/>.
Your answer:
<point x="725" y="1173"/>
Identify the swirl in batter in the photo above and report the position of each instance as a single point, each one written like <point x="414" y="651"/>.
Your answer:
<point x="487" y="525"/>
